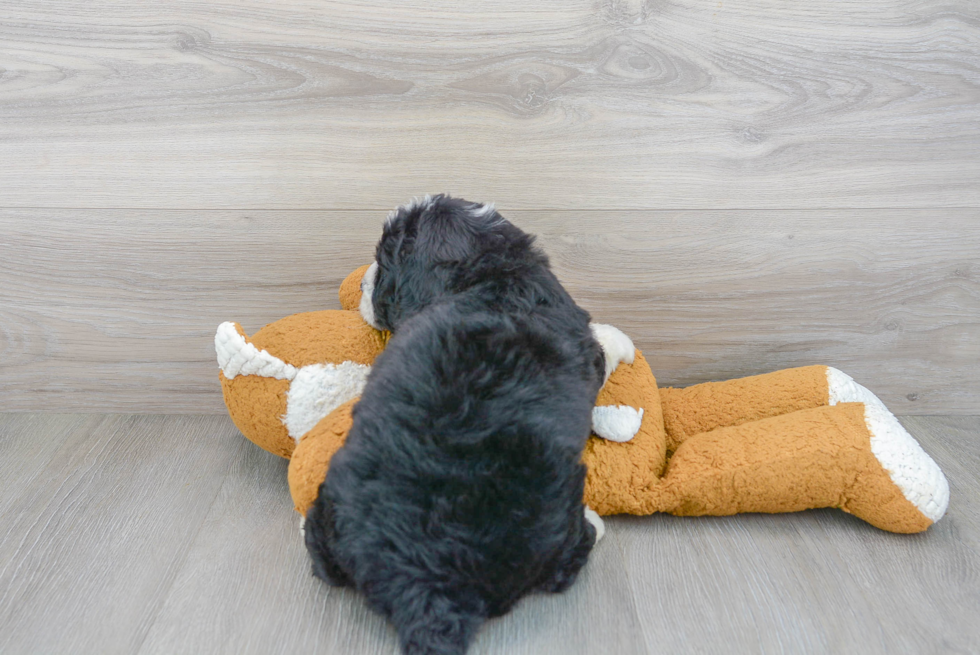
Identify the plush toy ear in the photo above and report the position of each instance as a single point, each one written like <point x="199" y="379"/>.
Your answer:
<point x="350" y="289"/>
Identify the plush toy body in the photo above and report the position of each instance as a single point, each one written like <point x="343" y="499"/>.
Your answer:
<point x="786" y="441"/>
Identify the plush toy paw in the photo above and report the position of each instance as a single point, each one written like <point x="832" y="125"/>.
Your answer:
<point x="616" y="422"/>
<point x="628" y="453"/>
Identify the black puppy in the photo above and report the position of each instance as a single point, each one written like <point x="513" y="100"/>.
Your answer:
<point x="459" y="487"/>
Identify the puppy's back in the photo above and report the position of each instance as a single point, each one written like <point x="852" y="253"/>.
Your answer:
<point x="459" y="489"/>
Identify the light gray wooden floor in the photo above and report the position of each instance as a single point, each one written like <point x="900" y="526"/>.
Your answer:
<point x="172" y="534"/>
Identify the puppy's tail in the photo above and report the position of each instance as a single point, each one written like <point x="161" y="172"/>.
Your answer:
<point x="435" y="625"/>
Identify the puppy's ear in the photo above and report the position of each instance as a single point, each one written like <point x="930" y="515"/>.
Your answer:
<point x="392" y="237"/>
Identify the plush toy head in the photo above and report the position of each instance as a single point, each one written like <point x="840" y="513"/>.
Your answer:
<point x="282" y="380"/>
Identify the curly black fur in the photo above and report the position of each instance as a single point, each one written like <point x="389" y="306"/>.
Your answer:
<point x="459" y="488"/>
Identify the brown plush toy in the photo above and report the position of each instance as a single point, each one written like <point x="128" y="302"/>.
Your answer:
<point x="782" y="442"/>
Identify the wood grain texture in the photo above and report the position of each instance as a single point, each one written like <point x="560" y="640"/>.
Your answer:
<point x="814" y="582"/>
<point x="27" y="444"/>
<point x="119" y="315"/>
<point x="245" y="587"/>
<point x="157" y="534"/>
<point x="92" y="541"/>
<point x="558" y="104"/>
<point x="953" y="443"/>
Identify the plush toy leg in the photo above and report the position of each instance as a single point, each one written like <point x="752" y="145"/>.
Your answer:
<point x="849" y="456"/>
<point x="704" y="407"/>
<point x="311" y="459"/>
<point x="618" y="473"/>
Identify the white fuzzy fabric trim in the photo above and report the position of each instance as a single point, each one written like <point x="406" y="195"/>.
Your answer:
<point x="367" y="295"/>
<point x="600" y="527"/>
<point x="616" y="346"/>
<point x="616" y="422"/>
<point x="921" y="480"/>
<point x="238" y="357"/>
<point x="319" y="389"/>
<point x="302" y="527"/>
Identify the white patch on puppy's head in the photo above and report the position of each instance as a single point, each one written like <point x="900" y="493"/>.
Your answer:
<point x="416" y="202"/>
<point x="367" y="293"/>
<point x="479" y="211"/>
<point x="486" y="210"/>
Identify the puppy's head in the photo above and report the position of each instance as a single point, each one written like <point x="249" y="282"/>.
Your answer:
<point x="422" y="249"/>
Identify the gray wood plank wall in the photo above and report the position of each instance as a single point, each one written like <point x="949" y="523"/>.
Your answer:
<point x="741" y="186"/>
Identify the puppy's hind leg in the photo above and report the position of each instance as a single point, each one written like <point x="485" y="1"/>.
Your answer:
<point x="573" y="557"/>
<point x="318" y="533"/>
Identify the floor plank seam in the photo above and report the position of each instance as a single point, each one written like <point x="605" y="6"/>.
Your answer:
<point x="17" y="562"/>
<point x="174" y="574"/>
<point x="633" y="592"/>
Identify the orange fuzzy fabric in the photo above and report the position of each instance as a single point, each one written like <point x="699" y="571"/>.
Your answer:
<point x="767" y="443"/>
<point x="619" y="473"/>
<point x="329" y="336"/>
<point x="311" y="459"/>
<point x="711" y="405"/>
<point x="819" y="457"/>
<point x="350" y="288"/>
<point x="256" y="404"/>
